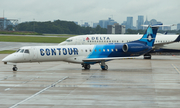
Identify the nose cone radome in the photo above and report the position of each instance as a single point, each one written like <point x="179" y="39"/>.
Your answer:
<point x="10" y="58"/>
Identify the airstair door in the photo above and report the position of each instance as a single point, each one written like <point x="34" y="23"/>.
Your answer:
<point x="26" y="55"/>
<point x="35" y="54"/>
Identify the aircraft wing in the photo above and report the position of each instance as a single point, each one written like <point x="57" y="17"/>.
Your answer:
<point x="160" y="45"/>
<point x="106" y="59"/>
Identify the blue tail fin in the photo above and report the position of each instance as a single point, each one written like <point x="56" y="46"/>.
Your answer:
<point x="149" y="36"/>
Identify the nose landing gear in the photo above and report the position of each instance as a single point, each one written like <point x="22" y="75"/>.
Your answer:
<point x="15" y="68"/>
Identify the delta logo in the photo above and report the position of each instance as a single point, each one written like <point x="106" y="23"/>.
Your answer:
<point x="98" y="38"/>
<point x="87" y="38"/>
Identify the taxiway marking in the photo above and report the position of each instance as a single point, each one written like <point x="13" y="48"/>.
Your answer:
<point x="176" y="69"/>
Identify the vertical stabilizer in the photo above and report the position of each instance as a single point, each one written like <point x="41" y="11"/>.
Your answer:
<point x="149" y="36"/>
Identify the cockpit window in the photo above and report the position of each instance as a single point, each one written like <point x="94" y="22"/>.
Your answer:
<point x="68" y="40"/>
<point x="18" y="50"/>
<point x="26" y="51"/>
<point x="22" y="50"/>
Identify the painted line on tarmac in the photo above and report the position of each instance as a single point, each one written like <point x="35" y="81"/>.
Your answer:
<point x="52" y="85"/>
<point x="176" y="69"/>
<point x="6" y="77"/>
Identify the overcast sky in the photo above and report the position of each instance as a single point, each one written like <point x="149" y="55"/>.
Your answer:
<point x="166" y="11"/>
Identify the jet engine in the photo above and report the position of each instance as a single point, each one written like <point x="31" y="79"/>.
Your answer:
<point x="134" y="47"/>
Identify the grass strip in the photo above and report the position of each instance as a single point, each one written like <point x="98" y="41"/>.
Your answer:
<point x="68" y="35"/>
<point x="7" y="52"/>
<point x="19" y="33"/>
<point x="32" y="39"/>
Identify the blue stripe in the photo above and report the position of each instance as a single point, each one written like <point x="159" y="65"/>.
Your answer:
<point x="99" y="53"/>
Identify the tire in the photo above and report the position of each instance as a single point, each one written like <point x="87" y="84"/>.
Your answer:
<point x="147" y="56"/>
<point x="87" y="66"/>
<point x="15" y="68"/>
<point x="104" y="67"/>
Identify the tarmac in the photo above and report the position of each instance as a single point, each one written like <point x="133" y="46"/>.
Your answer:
<point x="128" y="83"/>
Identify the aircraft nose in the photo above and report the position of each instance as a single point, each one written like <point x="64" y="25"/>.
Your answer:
<point x="8" y="58"/>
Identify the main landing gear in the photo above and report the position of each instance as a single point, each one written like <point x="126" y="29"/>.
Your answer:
<point x="14" y="68"/>
<point x="86" y="66"/>
<point x="147" y="56"/>
<point x="102" y="63"/>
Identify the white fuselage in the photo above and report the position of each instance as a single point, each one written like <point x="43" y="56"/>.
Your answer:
<point x="106" y="39"/>
<point x="70" y="53"/>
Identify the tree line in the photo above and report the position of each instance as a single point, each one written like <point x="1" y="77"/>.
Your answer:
<point x="59" y="27"/>
<point x="69" y="27"/>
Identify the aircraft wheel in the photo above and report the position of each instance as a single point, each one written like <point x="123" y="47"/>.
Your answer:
<point x="87" y="66"/>
<point x="147" y="56"/>
<point x="15" y="68"/>
<point x="104" y="67"/>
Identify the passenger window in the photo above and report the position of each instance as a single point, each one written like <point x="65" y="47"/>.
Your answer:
<point x="26" y="51"/>
<point x="90" y="50"/>
<point x="112" y="50"/>
<point x="22" y="51"/>
<point x="116" y="49"/>
<point x="99" y="50"/>
<point x="104" y="50"/>
<point x="86" y="50"/>
<point x="108" y="50"/>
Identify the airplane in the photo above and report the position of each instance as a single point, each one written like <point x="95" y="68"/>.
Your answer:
<point x="85" y="55"/>
<point x="161" y="42"/>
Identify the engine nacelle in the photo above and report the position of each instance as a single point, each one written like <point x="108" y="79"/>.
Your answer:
<point x="134" y="47"/>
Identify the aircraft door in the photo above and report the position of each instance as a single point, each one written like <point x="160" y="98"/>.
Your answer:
<point x="26" y="55"/>
<point x="75" y="40"/>
<point x="35" y="54"/>
<point x="83" y="41"/>
<point x="78" y="41"/>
